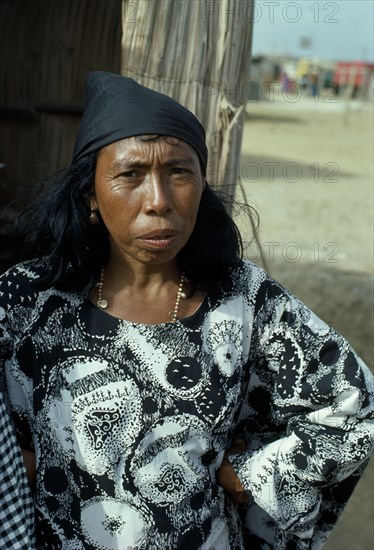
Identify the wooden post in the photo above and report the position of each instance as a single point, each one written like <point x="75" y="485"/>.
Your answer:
<point x="198" y="52"/>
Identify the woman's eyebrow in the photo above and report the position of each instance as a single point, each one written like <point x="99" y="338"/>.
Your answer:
<point x="179" y="160"/>
<point x="129" y="164"/>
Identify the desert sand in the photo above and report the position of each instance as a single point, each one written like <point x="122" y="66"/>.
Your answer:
<point x="307" y="167"/>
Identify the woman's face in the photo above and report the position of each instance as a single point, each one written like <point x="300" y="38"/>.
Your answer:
<point x="148" y="195"/>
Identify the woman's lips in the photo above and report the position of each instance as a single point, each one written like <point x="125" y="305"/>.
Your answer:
<point x="159" y="243"/>
<point x="159" y="239"/>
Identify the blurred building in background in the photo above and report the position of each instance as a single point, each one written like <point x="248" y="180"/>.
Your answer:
<point x="311" y="77"/>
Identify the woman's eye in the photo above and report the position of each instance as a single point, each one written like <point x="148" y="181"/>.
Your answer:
<point x="178" y="170"/>
<point x="128" y="174"/>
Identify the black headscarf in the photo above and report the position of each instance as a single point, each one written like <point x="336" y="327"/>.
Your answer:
<point x="117" y="107"/>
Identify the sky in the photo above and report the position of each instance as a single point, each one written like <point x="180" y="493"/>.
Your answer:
<point x="341" y="30"/>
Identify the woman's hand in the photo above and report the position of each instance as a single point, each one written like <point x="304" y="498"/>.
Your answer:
<point x="227" y="477"/>
<point x="30" y="465"/>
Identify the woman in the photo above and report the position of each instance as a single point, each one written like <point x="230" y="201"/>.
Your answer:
<point x="174" y="395"/>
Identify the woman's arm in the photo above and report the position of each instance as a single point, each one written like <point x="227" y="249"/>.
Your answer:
<point x="310" y="409"/>
<point x="226" y="475"/>
<point x="30" y="465"/>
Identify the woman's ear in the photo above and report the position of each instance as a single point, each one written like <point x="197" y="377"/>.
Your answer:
<point x="92" y="203"/>
<point x="94" y="220"/>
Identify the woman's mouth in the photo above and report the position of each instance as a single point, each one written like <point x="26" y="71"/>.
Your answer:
<point x="162" y="239"/>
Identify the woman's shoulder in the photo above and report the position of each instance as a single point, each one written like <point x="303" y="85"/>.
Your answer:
<point x="28" y="271"/>
<point x="258" y="291"/>
<point x="19" y="281"/>
<point x="250" y="279"/>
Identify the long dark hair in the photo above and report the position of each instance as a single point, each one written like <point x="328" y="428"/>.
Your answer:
<point x="56" y="227"/>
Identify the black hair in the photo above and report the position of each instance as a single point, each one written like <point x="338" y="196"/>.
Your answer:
<point x="56" y="226"/>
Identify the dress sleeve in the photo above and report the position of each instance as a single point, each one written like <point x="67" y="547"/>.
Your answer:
<point x="307" y="419"/>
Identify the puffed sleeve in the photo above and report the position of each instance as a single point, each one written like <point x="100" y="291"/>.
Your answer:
<point x="307" y="418"/>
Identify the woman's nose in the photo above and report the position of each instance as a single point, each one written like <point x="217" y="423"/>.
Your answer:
<point x="157" y="199"/>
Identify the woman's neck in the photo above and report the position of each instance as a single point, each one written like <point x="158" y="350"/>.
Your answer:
<point x="149" y="295"/>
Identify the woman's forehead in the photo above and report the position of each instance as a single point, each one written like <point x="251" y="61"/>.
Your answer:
<point x="148" y="144"/>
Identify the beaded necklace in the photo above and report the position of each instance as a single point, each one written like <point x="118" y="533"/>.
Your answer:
<point x="102" y="303"/>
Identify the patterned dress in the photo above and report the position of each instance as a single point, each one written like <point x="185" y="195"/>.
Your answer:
<point x="129" y="422"/>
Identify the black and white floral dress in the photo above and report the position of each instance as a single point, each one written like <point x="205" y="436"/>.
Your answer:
<point x="129" y="422"/>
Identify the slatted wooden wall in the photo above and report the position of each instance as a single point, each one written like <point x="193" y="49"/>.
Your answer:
<point x="47" y="47"/>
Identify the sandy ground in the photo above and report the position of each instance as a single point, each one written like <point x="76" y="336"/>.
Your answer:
<point x="307" y="168"/>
